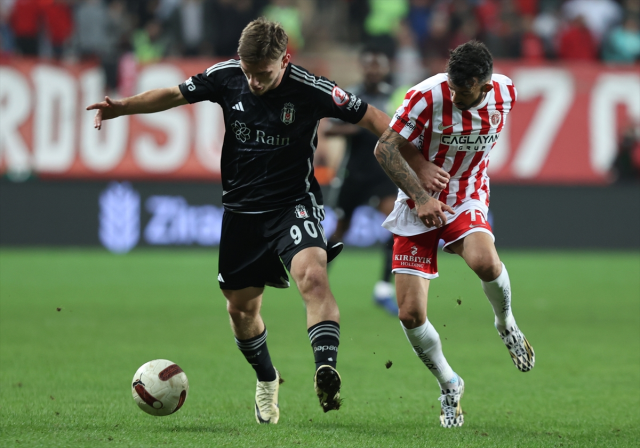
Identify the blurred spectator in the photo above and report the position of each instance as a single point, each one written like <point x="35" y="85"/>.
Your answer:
<point x="101" y="32"/>
<point x="532" y="46"/>
<point x="228" y="20"/>
<point x="149" y="44"/>
<point x="25" y="23"/>
<point x="575" y="42"/>
<point x="57" y="18"/>
<point x="419" y="18"/>
<point x="142" y="11"/>
<point x="383" y="22"/>
<point x="408" y="60"/>
<point x="187" y="27"/>
<point x="357" y="11"/>
<point x="626" y="166"/>
<point x="598" y="15"/>
<point x="7" y="44"/>
<point x="503" y="30"/>
<point x="546" y="26"/>
<point x="287" y="14"/>
<point x="437" y="43"/>
<point x="623" y="43"/>
<point x="468" y="30"/>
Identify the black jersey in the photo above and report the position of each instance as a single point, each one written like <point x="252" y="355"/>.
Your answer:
<point x="270" y="140"/>
<point x="362" y="164"/>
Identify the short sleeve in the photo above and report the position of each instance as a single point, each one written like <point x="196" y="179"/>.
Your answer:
<point x="411" y="117"/>
<point x="343" y="105"/>
<point x="208" y="85"/>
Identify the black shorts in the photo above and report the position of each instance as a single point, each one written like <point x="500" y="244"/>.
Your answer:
<point x="256" y="248"/>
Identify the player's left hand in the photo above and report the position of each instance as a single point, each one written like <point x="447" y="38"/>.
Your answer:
<point x="432" y="177"/>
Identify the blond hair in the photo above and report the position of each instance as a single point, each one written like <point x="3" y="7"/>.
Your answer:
<point x="262" y="39"/>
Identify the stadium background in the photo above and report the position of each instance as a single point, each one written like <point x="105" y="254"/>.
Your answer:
<point x="565" y="176"/>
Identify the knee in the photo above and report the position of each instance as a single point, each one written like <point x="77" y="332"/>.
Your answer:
<point x="486" y="266"/>
<point x="239" y="309"/>
<point x="411" y="317"/>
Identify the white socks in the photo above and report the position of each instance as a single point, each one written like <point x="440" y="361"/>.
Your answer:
<point x="498" y="292"/>
<point x="425" y="341"/>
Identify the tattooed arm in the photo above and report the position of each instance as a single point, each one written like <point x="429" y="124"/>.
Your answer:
<point x="430" y="210"/>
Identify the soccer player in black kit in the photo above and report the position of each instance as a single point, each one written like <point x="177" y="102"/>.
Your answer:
<point x="273" y="203"/>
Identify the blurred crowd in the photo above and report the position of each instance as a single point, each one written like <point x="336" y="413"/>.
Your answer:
<point x="414" y="32"/>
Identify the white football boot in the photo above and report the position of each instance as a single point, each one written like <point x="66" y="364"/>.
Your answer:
<point x="327" y="384"/>
<point x="450" y="410"/>
<point x="267" y="410"/>
<point x="520" y="350"/>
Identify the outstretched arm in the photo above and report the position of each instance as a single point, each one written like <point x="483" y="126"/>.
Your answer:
<point x="144" y="103"/>
<point x="430" y="210"/>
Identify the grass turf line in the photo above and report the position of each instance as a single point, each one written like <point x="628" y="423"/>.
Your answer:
<point x="65" y="375"/>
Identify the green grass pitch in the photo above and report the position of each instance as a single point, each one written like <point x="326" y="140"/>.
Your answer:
<point x="65" y="376"/>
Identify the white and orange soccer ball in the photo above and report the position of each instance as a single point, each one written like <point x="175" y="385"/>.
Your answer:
<point x="160" y="387"/>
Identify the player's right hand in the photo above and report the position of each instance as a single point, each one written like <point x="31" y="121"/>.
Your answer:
<point x="432" y="177"/>
<point x="106" y="110"/>
<point x="432" y="213"/>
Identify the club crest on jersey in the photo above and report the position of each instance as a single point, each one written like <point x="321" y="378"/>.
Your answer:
<point x="241" y="131"/>
<point x="301" y="212"/>
<point x="340" y="97"/>
<point x="288" y="113"/>
<point x="495" y="117"/>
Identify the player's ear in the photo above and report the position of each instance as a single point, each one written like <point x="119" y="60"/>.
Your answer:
<point x="488" y="87"/>
<point x="285" y="60"/>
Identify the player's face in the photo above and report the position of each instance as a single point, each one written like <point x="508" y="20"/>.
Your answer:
<point x="464" y="98"/>
<point x="264" y="75"/>
<point x="375" y="67"/>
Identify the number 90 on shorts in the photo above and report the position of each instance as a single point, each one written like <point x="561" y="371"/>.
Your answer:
<point x="309" y="227"/>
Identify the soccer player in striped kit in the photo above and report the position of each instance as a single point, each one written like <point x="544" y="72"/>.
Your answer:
<point x="454" y="119"/>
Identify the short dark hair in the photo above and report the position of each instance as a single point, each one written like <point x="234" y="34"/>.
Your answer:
<point x="262" y="39"/>
<point x="468" y="61"/>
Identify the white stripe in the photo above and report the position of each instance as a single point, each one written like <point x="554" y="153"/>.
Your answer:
<point x="325" y="327"/>
<point x="306" y="179"/>
<point x="229" y="64"/>
<point x="313" y="136"/>
<point x="309" y="77"/>
<point x="303" y="81"/>
<point x="324" y="331"/>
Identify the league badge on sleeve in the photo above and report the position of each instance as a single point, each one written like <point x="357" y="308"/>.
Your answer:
<point x="288" y="113"/>
<point x="340" y="97"/>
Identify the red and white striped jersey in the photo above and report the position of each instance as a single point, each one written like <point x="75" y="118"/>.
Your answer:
<point x="458" y="141"/>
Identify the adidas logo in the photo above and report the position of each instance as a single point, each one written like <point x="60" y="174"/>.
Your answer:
<point x="238" y="106"/>
<point x="220" y="278"/>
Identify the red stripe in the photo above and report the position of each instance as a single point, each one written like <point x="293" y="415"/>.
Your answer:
<point x="457" y="161"/>
<point x="499" y="103"/>
<point x="447" y="118"/>
<point x="398" y="126"/>
<point x="464" y="179"/>
<point x="484" y="117"/>
<point x="467" y="124"/>
<point x="170" y="372"/>
<point x="479" y="178"/>
<point x="146" y="396"/>
<point x="427" y="115"/>
<point x="467" y="127"/>
<point x="512" y="94"/>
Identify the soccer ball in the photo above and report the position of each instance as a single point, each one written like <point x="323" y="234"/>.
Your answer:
<point x="160" y="387"/>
